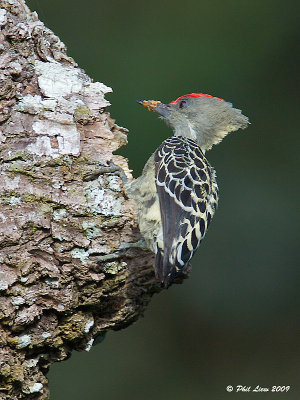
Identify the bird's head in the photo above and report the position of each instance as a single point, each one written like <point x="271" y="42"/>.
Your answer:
<point x="201" y="117"/>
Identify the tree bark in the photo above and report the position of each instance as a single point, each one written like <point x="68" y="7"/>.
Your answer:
<point x="62" y="207"/>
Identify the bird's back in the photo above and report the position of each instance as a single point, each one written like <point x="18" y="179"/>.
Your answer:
<point x="188" y="195"/>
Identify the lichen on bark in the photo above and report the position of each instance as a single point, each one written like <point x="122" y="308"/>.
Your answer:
<point x="62" y="207"/>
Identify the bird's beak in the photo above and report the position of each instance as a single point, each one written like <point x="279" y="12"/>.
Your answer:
<point x="157" y="106"/>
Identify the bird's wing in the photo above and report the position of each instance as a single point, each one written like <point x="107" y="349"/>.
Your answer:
<point x="187" y="192"/>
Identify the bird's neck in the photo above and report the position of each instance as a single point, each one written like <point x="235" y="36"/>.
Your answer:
<point x="204" y="137"/>
<point x="186" y="130"/>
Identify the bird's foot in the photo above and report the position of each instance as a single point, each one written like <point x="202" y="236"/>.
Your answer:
<point x="141" y="244"/>
<point x="119" y="171"/>
<point x="106" y="169"/>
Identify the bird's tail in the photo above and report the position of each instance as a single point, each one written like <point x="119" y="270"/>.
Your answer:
<point x="165" y="271"/>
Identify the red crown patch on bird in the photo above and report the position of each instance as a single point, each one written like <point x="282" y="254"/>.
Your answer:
<point x="195" y="95"/>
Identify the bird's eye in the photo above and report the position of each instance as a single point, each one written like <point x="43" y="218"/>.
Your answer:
<point x="182" y="104"/>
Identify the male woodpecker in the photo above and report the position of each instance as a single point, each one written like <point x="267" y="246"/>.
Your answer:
<point x="177" y="193"/>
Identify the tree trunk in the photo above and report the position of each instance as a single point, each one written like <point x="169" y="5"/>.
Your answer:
<point x="63" y="211"/>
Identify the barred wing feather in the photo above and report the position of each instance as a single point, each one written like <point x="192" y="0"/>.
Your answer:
<point x="188" y="196"/>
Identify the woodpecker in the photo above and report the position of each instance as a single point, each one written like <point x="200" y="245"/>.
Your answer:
<point x="177" y="193"/>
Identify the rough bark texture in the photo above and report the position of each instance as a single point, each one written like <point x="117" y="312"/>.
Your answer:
<point x="62" y="205"/>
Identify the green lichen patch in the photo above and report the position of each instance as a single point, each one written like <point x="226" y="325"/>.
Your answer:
<point x="11" y="200"/>
<point x="82" y="254"/>
<point x="83" y="115"/>
<point x="21" y="167"/>
<point x="91" y="229"/>
<point x="19" y="155"/>
<point x="32" y="198"/>
<point x="75" y="326"/>
<point x="59" y="214"/>
<point x="112" y="268"/>
<point x="59" y="161"/>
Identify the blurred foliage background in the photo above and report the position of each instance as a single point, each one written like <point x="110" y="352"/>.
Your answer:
<point x="235" y="321"/>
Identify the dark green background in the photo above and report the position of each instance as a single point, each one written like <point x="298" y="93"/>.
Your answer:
<point x="235" y="320"/>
